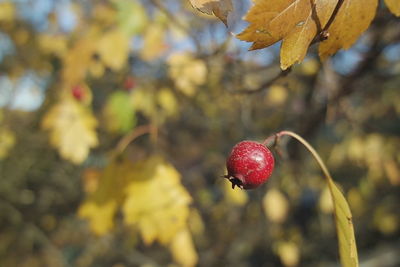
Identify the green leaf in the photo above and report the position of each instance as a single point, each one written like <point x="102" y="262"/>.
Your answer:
<point x="119" y="113"/>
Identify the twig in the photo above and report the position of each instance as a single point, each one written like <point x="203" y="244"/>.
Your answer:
<point x="324" y="33"/>
<point x="127" y="139"/>
<point x="266" y="84"/>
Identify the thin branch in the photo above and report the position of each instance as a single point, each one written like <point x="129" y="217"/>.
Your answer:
<point x="127" y="139"/>
<point x="324" y="33"/>
<point x="265" y="85"/>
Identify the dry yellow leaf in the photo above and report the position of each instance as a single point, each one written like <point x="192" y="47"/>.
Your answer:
<point x="156" y="201"/>
<point x="183" y="250"/>
<point x="187" y="72"/>
<point x="113" y="48"/>
<point x="352" y="20"/>
<point x="220" y="8"/>
<point x="292" y="21"/>
<point x="394" y="6"/>
<point x="72" y="129"/>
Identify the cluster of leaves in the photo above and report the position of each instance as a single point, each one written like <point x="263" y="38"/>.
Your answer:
<point x="124" y="70"/>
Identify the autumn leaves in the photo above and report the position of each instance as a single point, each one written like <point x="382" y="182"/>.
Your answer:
<point x="298" y="23"/>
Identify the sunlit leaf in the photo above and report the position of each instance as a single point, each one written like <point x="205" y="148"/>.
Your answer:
<point x="292" y="21"/>
<point x="101" y="204"/>
<point x="168" y="102"/>
<point x="182" y="249"/>
<point x="156" y="201"/>
<point x="72" y="129"/>
<point x="100" y="215"/>
<point x="77" y="60"/>
<point x="289" y="253"/>
<point x="394" y="6"/>
<point x="113" y="48"/>
<point x="344" y="227"/>
<point x="352" y="20"/>
<point x="132" y="16"/>
<point x="220" y="8"/>
<point x="154" y="42"/>
<point x="187" y="72"/>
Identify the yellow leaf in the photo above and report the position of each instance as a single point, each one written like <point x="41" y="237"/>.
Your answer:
<point x="143" y="100"/>
<point x="72" y="129"/>
<point x="156" y="201"/>
<point x="187" y="72"/>
<point x="289" y="254"/>
<point x="154" y="42"/>
<point x="100" y="215"/>
<point x="220" y="8"/>
<point x="276" y="206"/>
<point x="394" y="6"/>
<point x="292" y="21"/>
<point x="234" y="197"/>
<point x="77" y="60"/>
<point x="183" y="250"/>
<point x="53" y="44"/>
<point x="352" y="20"/>
<point x="276" y="95"/>
<point x="344" y="227"/>
<point x="7" y="141"/>
<point x="101" y="205"/>
<point x="166" y="99"/>
<point x="113" y="48"/>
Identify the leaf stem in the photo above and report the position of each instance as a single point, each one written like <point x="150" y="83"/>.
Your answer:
<point x="127" y="139"/>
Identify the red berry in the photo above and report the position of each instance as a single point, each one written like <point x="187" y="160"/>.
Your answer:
<point x="249" y="165"/>
<point x="77" y="92"/>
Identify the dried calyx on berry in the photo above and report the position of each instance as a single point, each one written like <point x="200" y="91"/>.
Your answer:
<point x="249" y="165"/>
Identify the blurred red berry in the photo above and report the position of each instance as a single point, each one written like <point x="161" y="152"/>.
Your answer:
<point x="78" y="93"/>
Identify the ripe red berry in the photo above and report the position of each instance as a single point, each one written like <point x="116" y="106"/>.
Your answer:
<point x="249" y="165"/>
<point x="129" y="83"/>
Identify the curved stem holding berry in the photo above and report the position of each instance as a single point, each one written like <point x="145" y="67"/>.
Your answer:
<point x="343" y="217"/>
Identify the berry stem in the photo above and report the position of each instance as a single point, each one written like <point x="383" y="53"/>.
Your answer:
<point x="342" y="213"/>
<point x="310" y="148"/>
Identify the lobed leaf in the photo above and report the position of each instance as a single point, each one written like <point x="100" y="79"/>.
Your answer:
<point x="220" y="8"/>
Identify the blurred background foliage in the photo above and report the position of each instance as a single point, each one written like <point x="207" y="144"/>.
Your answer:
<point x="82" y="81"/>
